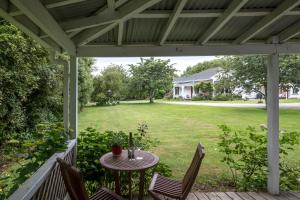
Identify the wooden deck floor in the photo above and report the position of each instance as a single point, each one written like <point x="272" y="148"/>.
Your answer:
<point x="242" y="196"/>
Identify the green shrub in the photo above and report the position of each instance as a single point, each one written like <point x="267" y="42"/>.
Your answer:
<point x="93" y="144"/>
<point x="198" y="98"/>
<point x="30" y="151"/>
<point x="245" y="153"/>
<point x="226" y="97"/>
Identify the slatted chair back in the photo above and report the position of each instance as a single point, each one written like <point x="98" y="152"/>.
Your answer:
<point x="192" y="172"/>
<point x="73" y="181"/>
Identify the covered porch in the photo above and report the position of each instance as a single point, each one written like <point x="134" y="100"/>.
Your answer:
<point x="141" y="28"/>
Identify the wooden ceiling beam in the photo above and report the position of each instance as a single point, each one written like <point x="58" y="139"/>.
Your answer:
<point x="277" y="13"/>
<point x="35" y="11"/>
<point x="127" y="11"/>
<point x="230" y="12"/>
<point x="172" y="20"/>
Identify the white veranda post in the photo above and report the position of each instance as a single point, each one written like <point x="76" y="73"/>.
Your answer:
<point x="74" y="95"/>
<point x="273" y="123"/>
<point x="66" y="94"/>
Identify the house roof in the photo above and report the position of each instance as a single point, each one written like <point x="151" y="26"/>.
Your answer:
<point x="159" y="27"/>
<point x="204" y="75"/>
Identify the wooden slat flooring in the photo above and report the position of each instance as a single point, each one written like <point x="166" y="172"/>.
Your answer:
<point x="242" y="196"/>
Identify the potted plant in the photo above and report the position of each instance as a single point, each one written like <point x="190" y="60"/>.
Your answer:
<point x="117" y="142"/>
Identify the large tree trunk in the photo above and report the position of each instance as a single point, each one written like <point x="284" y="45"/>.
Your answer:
<point x="151" y="97"/>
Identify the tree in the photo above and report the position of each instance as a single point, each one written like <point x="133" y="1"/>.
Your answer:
<point x="205" y="90"/>
<point x="151" y="76"/>
<point x="111" y="83"/>
<point x="250" y="72"/>
<point x="30" y="88"/>
<point x="203" y="66"/>
<point x="85" y="81"/>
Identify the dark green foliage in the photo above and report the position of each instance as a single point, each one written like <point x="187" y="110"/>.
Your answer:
<point x="85" y="81"/>
<point x="93" y="144"/>
<point x="245" y="153"/>
<point x="111" y="86"/>
<point x="30" y="88"/>
<point x="205" y="90"/>
<point x="30" y="151"/>
<point x="203" y="66"/>
<point x="226" y="97"/>
<point x="152" y="77"/>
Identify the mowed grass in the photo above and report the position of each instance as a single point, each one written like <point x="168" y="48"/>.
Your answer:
<point x="180" y="127"/>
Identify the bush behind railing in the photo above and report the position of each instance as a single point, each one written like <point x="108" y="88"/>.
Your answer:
<point x="93" y="144"/>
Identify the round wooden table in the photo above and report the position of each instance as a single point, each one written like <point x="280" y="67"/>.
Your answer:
<point x="122" y="163"/>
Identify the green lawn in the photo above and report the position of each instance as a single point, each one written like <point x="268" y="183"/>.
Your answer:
<point x="180" y="128"/>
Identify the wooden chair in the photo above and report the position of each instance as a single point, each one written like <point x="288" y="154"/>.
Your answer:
<point x="76" y="188"/>
<point x="162" y="186"/>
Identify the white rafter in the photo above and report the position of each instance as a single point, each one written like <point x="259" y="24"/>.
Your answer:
<point x="278" y="12"/>
<point x="127" y="11"/>
<point x="232" y="9"/>
<point x="172" y="20"/>
<point x="49" y="6"/>
<point x="290" y="32"/>
<point x="48" y="44"/>
<point x="120" y="33"/>
<point x="41" y="17"/>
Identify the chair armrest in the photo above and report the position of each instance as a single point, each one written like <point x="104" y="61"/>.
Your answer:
<point x="151" y="187"/>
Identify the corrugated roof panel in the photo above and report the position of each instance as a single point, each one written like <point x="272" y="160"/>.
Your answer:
<point x="277" y="27"/>
<point x="164" y="5"/>
<point x="189" y="29"/>
<point x="235" y="27"/>
<point x="206" y="4"/>
<point x="111" y="37"/>
<point x="252" y="4"/>
<point x="143" y="30"/>
<point x="81" y="9"/>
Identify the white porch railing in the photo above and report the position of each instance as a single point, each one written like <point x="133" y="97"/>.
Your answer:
<point x="46" y="183"/>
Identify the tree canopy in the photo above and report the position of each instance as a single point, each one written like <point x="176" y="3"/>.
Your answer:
<point x="152" y="76"/>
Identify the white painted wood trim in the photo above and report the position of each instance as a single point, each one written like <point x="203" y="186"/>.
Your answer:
<point x="40" y="16"/>
<point x="178" y="50"/>
<point x="66" y="94"/>
<point x="120" y="33"/>
<point x="172" y="20"/>
<point x="273" y="123"/>
<point x="73" y="110"/>
<point x="28" y="189"/>
<point x="29" y="32"/>
<point x="281" y="10"/>
<point x="128" y="10"/>
<point x="232" y="9"/>
<point x="49" y="6"/>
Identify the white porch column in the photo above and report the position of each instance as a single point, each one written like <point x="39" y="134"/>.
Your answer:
<point x="273" y="123"/>
<point x="74" y="95"/>
<point x="66" y="94"/>
<point x="182" y="91"/>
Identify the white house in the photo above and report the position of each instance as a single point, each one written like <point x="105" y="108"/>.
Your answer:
<point x="183" y="87"/>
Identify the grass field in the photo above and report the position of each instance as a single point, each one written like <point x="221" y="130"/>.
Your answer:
<point x="180" y="128"/>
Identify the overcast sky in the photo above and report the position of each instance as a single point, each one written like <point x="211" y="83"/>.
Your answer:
<point x="180" y="63"/>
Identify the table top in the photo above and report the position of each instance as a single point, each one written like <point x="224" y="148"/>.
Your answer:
<point x="122" y="163"/>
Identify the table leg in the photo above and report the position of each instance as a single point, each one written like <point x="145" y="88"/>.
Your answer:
<point x="142" y="184"/>
<point x="117" y="182"/>
<point x="129" y="186"/>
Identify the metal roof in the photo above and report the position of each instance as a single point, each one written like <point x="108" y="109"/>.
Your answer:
<point x="72" y="24"/>
<point x="201" y="76"/>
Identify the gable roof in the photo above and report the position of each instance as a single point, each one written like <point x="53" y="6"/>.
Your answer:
<point x="204" y="75"/>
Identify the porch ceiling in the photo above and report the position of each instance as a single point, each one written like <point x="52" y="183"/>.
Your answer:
<point x="159" y="27"/>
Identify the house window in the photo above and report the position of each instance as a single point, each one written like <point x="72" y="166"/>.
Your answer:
<point x="176" y="90"/>
<point x="295" y="90"/>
